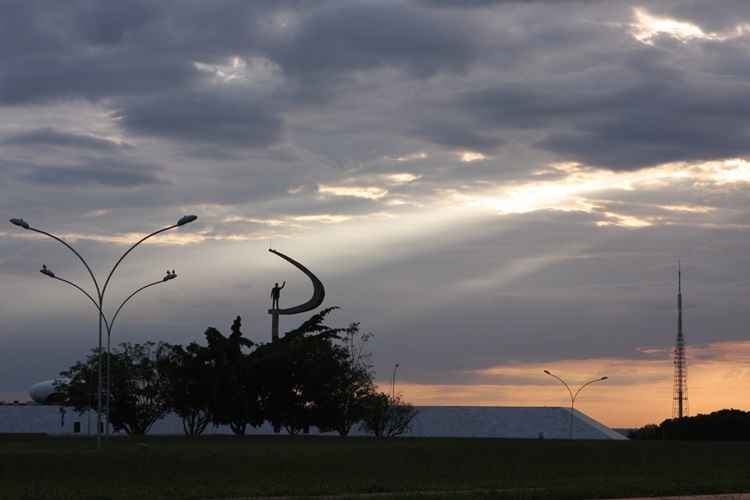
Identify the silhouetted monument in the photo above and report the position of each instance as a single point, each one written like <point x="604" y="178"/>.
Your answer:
<point x="275" y="294"/>
<point x="319" y="294"/>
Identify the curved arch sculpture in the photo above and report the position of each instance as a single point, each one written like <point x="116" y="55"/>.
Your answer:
<point x="319" y="293"/>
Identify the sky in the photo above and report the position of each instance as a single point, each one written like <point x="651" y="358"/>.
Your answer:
<point x="492" y="188"/>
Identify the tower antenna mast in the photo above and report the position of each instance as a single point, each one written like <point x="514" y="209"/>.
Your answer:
<point x="680" y="397"/>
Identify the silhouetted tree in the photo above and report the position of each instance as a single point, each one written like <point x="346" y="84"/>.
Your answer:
<point x="235" y="389"/>
<point x="722" y="425"/>
<point x="191" y="380"/>
<point x="80" y="391"/>
<point x="650" y="431"/>
<point x="387" y="416"/>
<point x="342" y="402"/>
<point x="139" y="387"/>
<point x="315" y="375"/>
<point x="299" y="372"/>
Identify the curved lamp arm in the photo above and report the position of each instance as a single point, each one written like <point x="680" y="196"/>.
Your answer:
<point x="87" y="294"/>
<point x="117" y="312"/>
<point x="186" y="219"/>
<point x="117" y="264"/>
<point x="572" y="398"/>
<point x="25" y="225"/>
<point x="587" y="384"/>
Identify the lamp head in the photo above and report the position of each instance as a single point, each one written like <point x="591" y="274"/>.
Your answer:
<point x="604" y="378"/>
<point x="20" y="223"/>
<point x="169" y="276"/>
<point x="47" y="272"/>
<point x="186" y="219"/>
<point x="547" y="372"/>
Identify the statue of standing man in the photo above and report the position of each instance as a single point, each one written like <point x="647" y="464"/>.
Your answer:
<point x="275" y="294"/>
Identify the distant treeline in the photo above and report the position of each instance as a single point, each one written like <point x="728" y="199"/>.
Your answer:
<point x="314" y="375"/>
<point x="722" y="425"/>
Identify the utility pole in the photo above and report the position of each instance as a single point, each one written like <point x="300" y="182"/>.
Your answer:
<point x="393" y="383"/>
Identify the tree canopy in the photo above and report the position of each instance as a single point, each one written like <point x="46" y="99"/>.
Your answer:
<point x="139" y="385"/>
<point x="722" y="425"/>
<point x="314" y="376"/>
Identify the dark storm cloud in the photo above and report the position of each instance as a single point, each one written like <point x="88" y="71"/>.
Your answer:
<point x="110" y="172"/>
<point x="218" y="116"/>
<point x="657" y="123"/>
<point x="52" y="137"/>
<point x="96" y="51"/>
<point x="351" y="36"/>
<point x="142" y="55"/>
<point x="176" y="28"/>
<point x="486" y="3"/>
<point x="81" y="49"/>
<point x="453" y="134"/>
<point x="99" y="50"/>
<point x="111" y="24"/>
<point x="646" y="119"/>
<point x="43" y="77"/>
<point x="143" y="59"/>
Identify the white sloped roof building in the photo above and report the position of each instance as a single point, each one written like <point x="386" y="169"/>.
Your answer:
<point x="521" y="422"/>
<point x="431" y="421"/>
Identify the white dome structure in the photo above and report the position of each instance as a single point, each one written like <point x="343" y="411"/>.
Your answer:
<point x="47" y="392"/>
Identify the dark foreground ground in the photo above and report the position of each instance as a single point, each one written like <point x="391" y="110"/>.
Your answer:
<point x="223" y="467"/>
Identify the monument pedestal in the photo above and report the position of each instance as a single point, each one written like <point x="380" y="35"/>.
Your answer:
<point x="274" y="324"/>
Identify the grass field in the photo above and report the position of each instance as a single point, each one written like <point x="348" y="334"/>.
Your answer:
<point x="223" y="467"/>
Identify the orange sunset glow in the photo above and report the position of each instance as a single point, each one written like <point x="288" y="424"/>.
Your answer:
<point x="637" y="392"/>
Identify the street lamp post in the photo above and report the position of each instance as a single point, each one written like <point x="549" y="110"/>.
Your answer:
<point x="573" y="396"/>
<point x="393" y="383"/>
<point x="109" y="325"/>
<point x="99" y="300"/>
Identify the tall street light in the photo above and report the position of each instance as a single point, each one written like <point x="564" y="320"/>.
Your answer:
<point x="573" y="396"/>
<point x="393" y="384"/>
<point x="109" y="325"/>
<point x="98" y="301"/>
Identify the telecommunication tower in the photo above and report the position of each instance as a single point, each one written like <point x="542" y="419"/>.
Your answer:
<point x="680" y="397"/>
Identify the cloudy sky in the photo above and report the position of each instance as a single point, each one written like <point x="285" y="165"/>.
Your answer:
<point x="493" y="188"/>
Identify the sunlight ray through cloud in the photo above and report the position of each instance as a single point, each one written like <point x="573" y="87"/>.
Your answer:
<point x="254" y="220"/>
<point x="257" y="70"/>
<point x="402" y="178"/>
<point x="694" y="209"/>
<point x="367" y="192"/>
<point x="615" y="219"/>
<point x="576" y="190"/>
<point x="648" y="27"/>
<point x="471" y="156"/>
<point x="323" y="218"/>
<point x="421" y="155"/>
